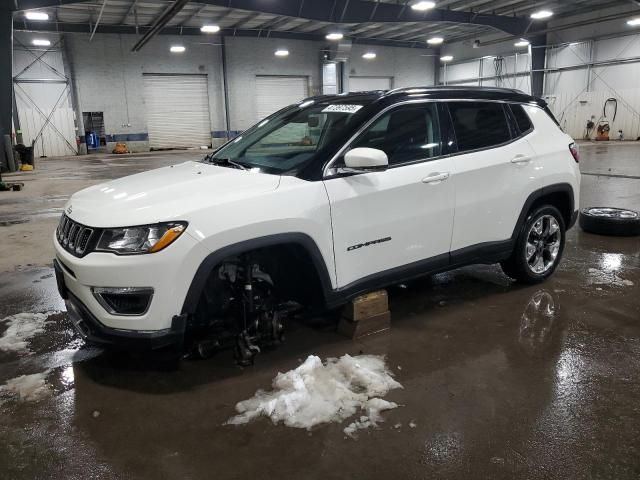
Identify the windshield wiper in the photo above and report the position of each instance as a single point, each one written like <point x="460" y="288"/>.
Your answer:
<point x="225" y="162"/>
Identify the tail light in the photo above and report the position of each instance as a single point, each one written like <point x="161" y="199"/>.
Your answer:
<point x="573" y="148"/>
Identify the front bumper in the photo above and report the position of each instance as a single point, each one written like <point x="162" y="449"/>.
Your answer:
<point x="92" y="330"/>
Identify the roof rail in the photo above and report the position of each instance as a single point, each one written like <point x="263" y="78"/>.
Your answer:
<point x="451" y="88"/>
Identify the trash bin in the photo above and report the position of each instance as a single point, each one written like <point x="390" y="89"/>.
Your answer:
<point x="26" y="154"/>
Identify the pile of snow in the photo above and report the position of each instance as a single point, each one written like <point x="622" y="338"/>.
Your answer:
<point x="28" y="387"/>
<point x="316" y="393"/>
<point x="22" y="327"/>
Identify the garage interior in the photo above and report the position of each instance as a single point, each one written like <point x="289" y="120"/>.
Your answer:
<point x="500" y="380"/>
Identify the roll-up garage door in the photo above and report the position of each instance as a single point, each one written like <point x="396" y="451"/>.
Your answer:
<point x="177" y="109"/>
<point x="276" y="92"/>
<point x="364" y="84"/>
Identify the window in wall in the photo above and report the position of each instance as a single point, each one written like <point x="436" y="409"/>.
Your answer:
<point x="405" y="134"/>
<point x="479" y="124"/>
<point x="522" y="119"/>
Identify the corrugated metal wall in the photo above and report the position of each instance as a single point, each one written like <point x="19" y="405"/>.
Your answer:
<point x="507" y="71"/>
<point x="578" y="93"/>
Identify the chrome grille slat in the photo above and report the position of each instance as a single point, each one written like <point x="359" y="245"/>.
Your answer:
<point x="74" y="237"/>
<point x="83" y="240"/>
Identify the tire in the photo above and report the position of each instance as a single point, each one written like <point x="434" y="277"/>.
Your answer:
<point x="610" y="221"/>
<point x="538" y="248"/>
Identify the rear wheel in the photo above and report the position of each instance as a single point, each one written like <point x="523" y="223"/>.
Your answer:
<point x="538" y="248"/>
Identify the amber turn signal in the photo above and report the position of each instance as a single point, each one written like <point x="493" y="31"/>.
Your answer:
<point x="168" y="238"/>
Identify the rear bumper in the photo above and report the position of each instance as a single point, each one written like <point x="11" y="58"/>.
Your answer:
<point x="92" y="330"/>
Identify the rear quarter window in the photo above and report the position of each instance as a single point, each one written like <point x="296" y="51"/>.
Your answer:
<point x="522" y="119"/>
<point x="479" y="124"/>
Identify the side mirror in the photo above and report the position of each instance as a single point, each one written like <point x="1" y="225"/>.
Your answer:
<point x="366" y="159"/>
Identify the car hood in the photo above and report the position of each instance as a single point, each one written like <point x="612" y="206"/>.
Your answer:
<point x="165" y="194"/>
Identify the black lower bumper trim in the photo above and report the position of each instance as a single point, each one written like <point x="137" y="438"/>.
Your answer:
<point x="90" y="328"/>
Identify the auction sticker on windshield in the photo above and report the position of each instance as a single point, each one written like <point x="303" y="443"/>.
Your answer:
<point x="338" y="108"/>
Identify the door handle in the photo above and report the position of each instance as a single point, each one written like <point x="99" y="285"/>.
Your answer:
<point x="521" y="159"/>
<point x="435" y="177"/>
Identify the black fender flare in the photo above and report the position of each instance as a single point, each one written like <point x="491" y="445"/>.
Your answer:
<point x="215" y="258"/>
<point x="536" y="195"/>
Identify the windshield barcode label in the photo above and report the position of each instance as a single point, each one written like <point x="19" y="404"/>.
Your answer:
<point x="342" y="108"/>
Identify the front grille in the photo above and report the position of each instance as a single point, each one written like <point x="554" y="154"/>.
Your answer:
<point x="73" y="236"/>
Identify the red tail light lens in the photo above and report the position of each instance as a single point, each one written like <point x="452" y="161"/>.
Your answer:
<point x="573" y="148"/>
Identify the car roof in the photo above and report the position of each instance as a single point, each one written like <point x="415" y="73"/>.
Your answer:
<point x="440" y="92"/>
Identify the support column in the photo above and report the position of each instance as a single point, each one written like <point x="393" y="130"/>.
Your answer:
<point x="538" y="62"/>
<point x="436" y="67"/>
<point x="225" y="88"/>
<point x="6" y="79"/>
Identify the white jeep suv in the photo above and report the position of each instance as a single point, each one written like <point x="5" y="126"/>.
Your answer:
<point x="314" y="205"/>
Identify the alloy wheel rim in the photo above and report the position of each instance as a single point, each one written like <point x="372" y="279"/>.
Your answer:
<point x="543" y="244"/>
<point x="612" y="212"/>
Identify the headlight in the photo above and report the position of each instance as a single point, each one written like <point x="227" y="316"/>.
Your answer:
<point x="144" y="239"/>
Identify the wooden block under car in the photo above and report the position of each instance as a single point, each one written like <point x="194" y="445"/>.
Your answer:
<point x="365" y="326"/>
<point x="367" y="305"/>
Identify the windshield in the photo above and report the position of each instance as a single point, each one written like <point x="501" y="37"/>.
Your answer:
<point x="290" y="138"/>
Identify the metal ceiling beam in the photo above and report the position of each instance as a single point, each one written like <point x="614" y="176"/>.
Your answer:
<point x="192" y="15"/>
<point x="361" y="11"/>
<point x="160" y="22"/>
<point x="31" y="4"/>
<point x="95" y="28"/>
<point x="83" y="28"/>
<point x="129" y="11"/>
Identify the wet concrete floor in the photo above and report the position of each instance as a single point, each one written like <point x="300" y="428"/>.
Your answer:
<point x="501" y="381"/>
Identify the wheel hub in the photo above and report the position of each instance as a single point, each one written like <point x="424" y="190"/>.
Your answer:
<point x="543" y="244"/>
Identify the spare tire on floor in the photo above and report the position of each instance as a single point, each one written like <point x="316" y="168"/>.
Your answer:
<point x="610" y="221"/>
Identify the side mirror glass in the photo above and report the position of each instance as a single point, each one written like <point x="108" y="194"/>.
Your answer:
<point x="366" y="159"/>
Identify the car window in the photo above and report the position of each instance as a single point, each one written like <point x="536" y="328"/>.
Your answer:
<point x="479" y="124"/>
<point x="522" y="119"/>
<point x="293" y="137"/>
<point x="407" y="133"/>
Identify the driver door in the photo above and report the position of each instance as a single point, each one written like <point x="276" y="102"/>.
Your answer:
<point x="393" y="222"/>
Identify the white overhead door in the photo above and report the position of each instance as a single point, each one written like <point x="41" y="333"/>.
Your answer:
<point x="177" y="108"/>
<point x="364" y="84"/>
<point x="276" y="92"/>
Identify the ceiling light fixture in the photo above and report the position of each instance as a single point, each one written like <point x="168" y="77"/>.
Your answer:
<point x="210" y="29"/>
<point x="541" y="14"/>
<point x="282" y="53"/>
<point x="334" y="36"/>
<point x="36" y="16"/>
<point x="177" y="49"/>
<point x="423" y="6"/>
<point x="41" y="42"/>
<point x="369" y="56"/>
<point x="446" y="58"/>
<point x="522" y="43"/>
<point x="435" y="40"/>
<point x="634" y="22"/>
